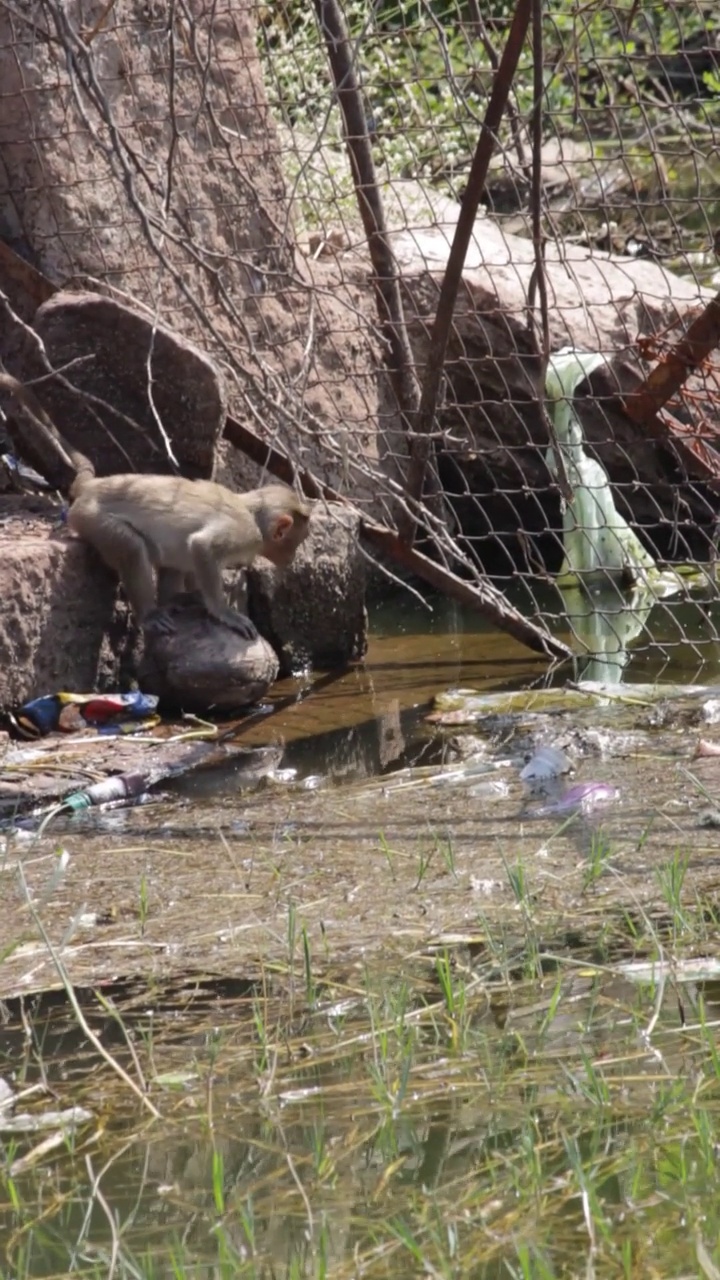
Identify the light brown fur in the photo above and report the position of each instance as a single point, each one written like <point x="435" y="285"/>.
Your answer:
<point x="186" y="530"/>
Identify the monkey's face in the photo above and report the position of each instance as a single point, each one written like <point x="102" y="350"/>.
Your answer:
<point x="285" y="536"/>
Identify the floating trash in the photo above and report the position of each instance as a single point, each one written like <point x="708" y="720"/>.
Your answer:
<point x="547" y="763"/>
<point x="583" y="798"/>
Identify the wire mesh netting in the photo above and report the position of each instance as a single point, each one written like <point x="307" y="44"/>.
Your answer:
<point x="290" y="185"/>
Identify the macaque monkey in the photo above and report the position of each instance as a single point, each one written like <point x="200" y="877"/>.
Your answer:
<point x="187" y="531"/>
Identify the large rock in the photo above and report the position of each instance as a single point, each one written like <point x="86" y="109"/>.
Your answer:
<point x="161" y="393"/>
<point x="157" y="177"/>
<point x="313" y="612"/>
<point x="57" y="628"/>
<point x="158" y="180"/>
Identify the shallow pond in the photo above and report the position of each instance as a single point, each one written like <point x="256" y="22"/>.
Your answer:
<point x="505" y="1111"/>
<point x="366" y="1015"/>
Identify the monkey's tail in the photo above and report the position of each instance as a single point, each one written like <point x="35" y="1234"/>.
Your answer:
<point x="84" y="471"/>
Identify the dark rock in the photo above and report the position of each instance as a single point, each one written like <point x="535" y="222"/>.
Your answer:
<point x="134" y="366"/>
<point x="313" y="613"/>
<point x="199" y="664"/>
<point x="708" y="818"/>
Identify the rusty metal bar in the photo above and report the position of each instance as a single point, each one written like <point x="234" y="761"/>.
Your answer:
<point x="439" y="337"/>
<point x="386" y="277"/>
<point x="673" y="368"/>
<point x="644" y="405"/>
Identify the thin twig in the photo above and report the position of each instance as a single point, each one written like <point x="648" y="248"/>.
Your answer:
<point x="96" y="1194"/>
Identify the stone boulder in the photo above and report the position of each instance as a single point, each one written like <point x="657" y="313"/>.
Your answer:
<point x="127" y="169"/>
<point x="58" y="630"/>
<point x="161" y="394"/>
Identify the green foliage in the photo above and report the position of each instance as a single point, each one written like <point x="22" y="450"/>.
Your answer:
<point x="424" y="82"/>
<point x="425" y="74"/>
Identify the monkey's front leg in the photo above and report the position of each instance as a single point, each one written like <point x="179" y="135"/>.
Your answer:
<point x="208" y="577"/>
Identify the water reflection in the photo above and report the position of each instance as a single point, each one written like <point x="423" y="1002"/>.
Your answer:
<point x="371" y="719"/>
<point x="605" y="624"/>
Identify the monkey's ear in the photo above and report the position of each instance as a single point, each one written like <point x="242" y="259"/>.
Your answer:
<point x="281" y="527"/>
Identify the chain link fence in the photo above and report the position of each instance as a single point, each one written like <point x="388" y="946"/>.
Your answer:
<point x="384" y="221"/>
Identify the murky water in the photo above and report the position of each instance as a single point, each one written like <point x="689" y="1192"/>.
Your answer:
<point x="419" y="1046"/>
<point x="464" y="1120"/>
<point x="367" y="720"/>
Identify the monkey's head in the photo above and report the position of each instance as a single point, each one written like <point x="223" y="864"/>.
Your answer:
<point x="284" y="521"/>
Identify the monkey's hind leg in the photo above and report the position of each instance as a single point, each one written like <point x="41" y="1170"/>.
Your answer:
<point x="124" y="550"/>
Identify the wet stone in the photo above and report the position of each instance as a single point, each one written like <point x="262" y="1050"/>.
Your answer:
<point x="201" y="665"/>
